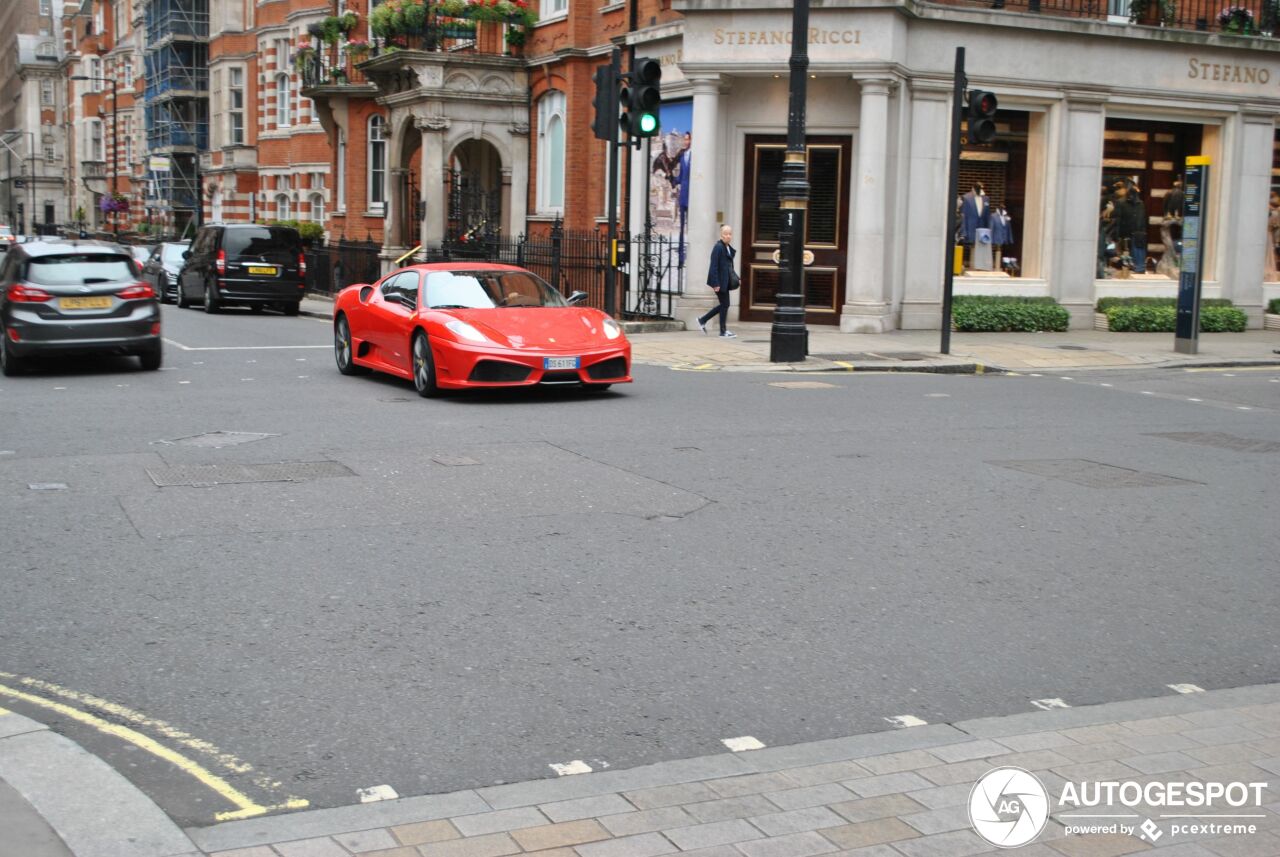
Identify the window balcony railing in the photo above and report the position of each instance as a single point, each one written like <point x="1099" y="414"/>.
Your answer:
<point x="1232" y="17"/>
<point x="331" y="66"/>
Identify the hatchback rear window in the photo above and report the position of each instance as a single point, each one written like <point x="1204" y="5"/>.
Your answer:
<point x="261" y="241"/>
<point x="81" y="269"/>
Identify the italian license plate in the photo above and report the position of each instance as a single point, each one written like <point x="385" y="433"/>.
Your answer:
<point x="560" y="363"/>
<point x="102" y="302"/>
<point x="269" y="270"/>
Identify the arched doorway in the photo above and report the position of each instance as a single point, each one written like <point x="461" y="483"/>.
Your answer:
<point x="408" y="189"/>
<point x="475" y="192"/>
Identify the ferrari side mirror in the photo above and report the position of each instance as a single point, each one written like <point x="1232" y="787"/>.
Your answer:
<point x="577" y="298"/>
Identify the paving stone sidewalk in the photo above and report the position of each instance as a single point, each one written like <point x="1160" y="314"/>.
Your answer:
<point x="900" y="793"/>
<point x="917" y="350"/>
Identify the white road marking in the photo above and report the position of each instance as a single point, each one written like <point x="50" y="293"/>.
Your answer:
<point x="1243" y="408"/>
<point x="1048" y="704"/>
<point x="577" y="766"/>
<point x="1036" y="375"/>
<point x="251" y="361"/>
<point x="59" y="388"/>
<point x="179" y="345"/>
<point x="1195" y="400"/>
<point x="1104" y="385"/>
<point x="304" y="376"/>
<point x="184" y="382"/>
<point x="1228" y="375"/>
<point x="376" y="793"/>
<point x="937" y="395"/>
<point x="246" y="379"/>
<point x="47" y="486"/>
<point x="746" y="742"/>
<point x="1068" y="379"/>
<point x="6" y="452"/>
<point x="1185" y="688"/>
<point x="122" y="385"/>
<point x="905" y="721"/>
<point x="1147" y="393"/>
<point x="300" y="359"/>
<point x="197" y="363"/>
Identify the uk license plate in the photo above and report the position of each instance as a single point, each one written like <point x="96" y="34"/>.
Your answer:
<point x="269" y="270"/>
<point x="102" y="302"/>
<point x="560" y="363"/>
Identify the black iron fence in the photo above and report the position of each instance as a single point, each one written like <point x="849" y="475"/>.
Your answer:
<point x="1237" y="17"/>
<point x="332" y="267"/>
<point x="571" y="261"/>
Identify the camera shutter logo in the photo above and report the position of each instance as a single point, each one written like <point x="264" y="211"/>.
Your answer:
<point x="1008" y="807"/>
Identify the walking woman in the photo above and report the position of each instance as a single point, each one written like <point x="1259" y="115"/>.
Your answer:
<point x="722" y="279"/>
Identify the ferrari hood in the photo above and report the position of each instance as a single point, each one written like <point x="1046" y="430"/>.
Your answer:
<point x="552" y="328"/>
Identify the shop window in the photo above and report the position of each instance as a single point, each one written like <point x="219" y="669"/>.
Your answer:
<point x="993" y="203"/>
<point x="1140" y="199"/>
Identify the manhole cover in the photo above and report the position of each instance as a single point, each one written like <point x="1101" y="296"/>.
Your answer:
<point x="200" y="475"/>
<point x="801" y="385"/>
<point x="1092" y="474"/>
<point x="1220" y="440"/>
<point x="454" y="460"/>
<point x="218" y="439"/>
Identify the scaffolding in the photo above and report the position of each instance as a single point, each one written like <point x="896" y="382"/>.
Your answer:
<point x="176" y="107"/>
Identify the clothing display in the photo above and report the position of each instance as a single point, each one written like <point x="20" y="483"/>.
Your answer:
<point x="981" y="256"/>
<point x="1270" y="274"/>
<point x="975" y="214"/>
<point x="1001" y="228"/>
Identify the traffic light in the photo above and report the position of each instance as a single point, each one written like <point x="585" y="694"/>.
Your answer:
<point x="640" y="98"/>
<point x="604" y="122"/>
<point x="982" y="116"/>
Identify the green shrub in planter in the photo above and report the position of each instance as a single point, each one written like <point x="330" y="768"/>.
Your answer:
<point x="1105" y="304"/>
<point x="1164" y="319"/>
<point x="1273" y="306"/>
<point x="995" y="314"/>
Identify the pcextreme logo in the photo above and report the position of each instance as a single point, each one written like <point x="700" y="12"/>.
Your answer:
<point x="1009" y="807"/>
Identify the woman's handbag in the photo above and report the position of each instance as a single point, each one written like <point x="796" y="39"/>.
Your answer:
<point x="734" y="280"/>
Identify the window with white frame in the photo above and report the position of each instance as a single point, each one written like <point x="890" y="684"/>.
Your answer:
<point x="377" y="164"/>
<point x="95" y="74"/>
<point x="284" y="109"/>
<point x="341" y="164"/>
<point x="235" y="106"/>
<point x="283" y="183"/>
<point x="95" y="140"/>
<point x="46" y="92"/>
<point x="128" y="72"/>
<point x="50" y="152"/>
<point x="46" y="7"/>
<point x="554" y="9"/>
<point x="551" y="137"/>
<point x="283" y="209"/>
<point x="282" y="53"/>
<point x="317" y="208"/>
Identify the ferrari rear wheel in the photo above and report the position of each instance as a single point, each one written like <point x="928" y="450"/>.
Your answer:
<point x="342" y="353"/>
<point x="424" y="369"/>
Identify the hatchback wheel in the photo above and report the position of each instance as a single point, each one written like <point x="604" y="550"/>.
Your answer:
<point x="152" y="358"/>
<point x="10" y="363"/>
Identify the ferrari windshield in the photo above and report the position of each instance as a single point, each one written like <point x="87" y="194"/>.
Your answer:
<point x="488" y="289"/>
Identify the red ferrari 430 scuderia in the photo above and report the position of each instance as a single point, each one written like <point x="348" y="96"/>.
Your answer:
<point x="457" y="325"/>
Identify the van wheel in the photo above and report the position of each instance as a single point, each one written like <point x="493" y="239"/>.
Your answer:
<point x="293" y="308"/>
<point x="210" y="301"/>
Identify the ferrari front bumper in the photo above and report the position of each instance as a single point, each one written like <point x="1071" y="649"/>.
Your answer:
<point x="460" y="366"/>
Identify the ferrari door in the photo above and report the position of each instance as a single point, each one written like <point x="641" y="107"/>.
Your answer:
<point x="390" y="320"/>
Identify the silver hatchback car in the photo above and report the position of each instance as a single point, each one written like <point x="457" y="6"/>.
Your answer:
<point x="60" y="297"/>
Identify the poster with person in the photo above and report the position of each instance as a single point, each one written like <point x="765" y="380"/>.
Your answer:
<point x="671" y="155"/>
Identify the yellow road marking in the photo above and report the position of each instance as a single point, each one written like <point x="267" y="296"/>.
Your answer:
<point x="246" y="806"/>
<point x="85" y="700"/>
<point x="848" y="366"/>
<point x="1232" y="369"/>
<point x="980" y="370"/>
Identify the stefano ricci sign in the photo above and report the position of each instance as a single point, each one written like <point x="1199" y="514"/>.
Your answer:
<point x="1010" y="807"/>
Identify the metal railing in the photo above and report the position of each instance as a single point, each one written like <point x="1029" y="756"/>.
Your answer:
<point x="1234" y="17"/>
<point x="332" y="66"/>
<point x="333" y="267"/>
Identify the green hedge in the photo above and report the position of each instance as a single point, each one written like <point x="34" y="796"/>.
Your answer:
<point x="1105" y="304"/>
<point x="307" y="230"/>
<point x="1273" y="306"/>
<point x="1163" y="319"/>
<point x="993" y="313"/>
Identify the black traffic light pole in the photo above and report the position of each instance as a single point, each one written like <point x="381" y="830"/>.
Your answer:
<point x="953" y="190"/>
<point x="789" y="338"/>
<point x="608" y="83"/>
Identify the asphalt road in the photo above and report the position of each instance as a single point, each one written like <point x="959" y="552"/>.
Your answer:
<point x="466" y="591"/>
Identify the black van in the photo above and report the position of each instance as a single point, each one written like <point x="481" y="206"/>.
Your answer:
<point x="247" y="264"/>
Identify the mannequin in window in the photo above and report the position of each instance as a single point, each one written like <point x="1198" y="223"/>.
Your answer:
<point x="1001" y="230"/>
<point x="1271" y="275"/>
<point x="1170" y="264"/>
<point x="975" y="213"/>
<point x="1130" y="219"/>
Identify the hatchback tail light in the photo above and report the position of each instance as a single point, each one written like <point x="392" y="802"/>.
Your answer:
<point x="136" y="292"/>
<point x="302" y="263"/>
<point x="221" y="262"/>
<point x="21" y="294"/>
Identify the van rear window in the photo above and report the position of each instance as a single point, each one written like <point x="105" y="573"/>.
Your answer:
<point x="81" y="269"/>
<point x="259" y="241"/>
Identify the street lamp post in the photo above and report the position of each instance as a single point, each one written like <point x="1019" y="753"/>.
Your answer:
<point x="789" y="340"/>
<point x="31" y="182"/>
<point x="115" y="141"/>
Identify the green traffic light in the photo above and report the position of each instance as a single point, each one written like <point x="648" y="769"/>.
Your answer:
<point x="648" y="123"/>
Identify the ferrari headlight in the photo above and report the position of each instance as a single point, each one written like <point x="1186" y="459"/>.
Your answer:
<point x="466" y="331"/>
<point x="611" y="329"/>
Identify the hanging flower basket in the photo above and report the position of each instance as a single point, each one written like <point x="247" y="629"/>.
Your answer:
<point x="116" y="203"/>
<point x="357" y="49"/>
<point x="1237" y="20"/>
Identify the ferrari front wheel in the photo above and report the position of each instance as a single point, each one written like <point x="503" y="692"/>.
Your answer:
<point x="342" y="352"/>
<point x="424" y="368"/>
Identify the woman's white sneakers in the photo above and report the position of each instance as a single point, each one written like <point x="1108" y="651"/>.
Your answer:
<point x="702" y="325"/>
<point x="729" y="334"/>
